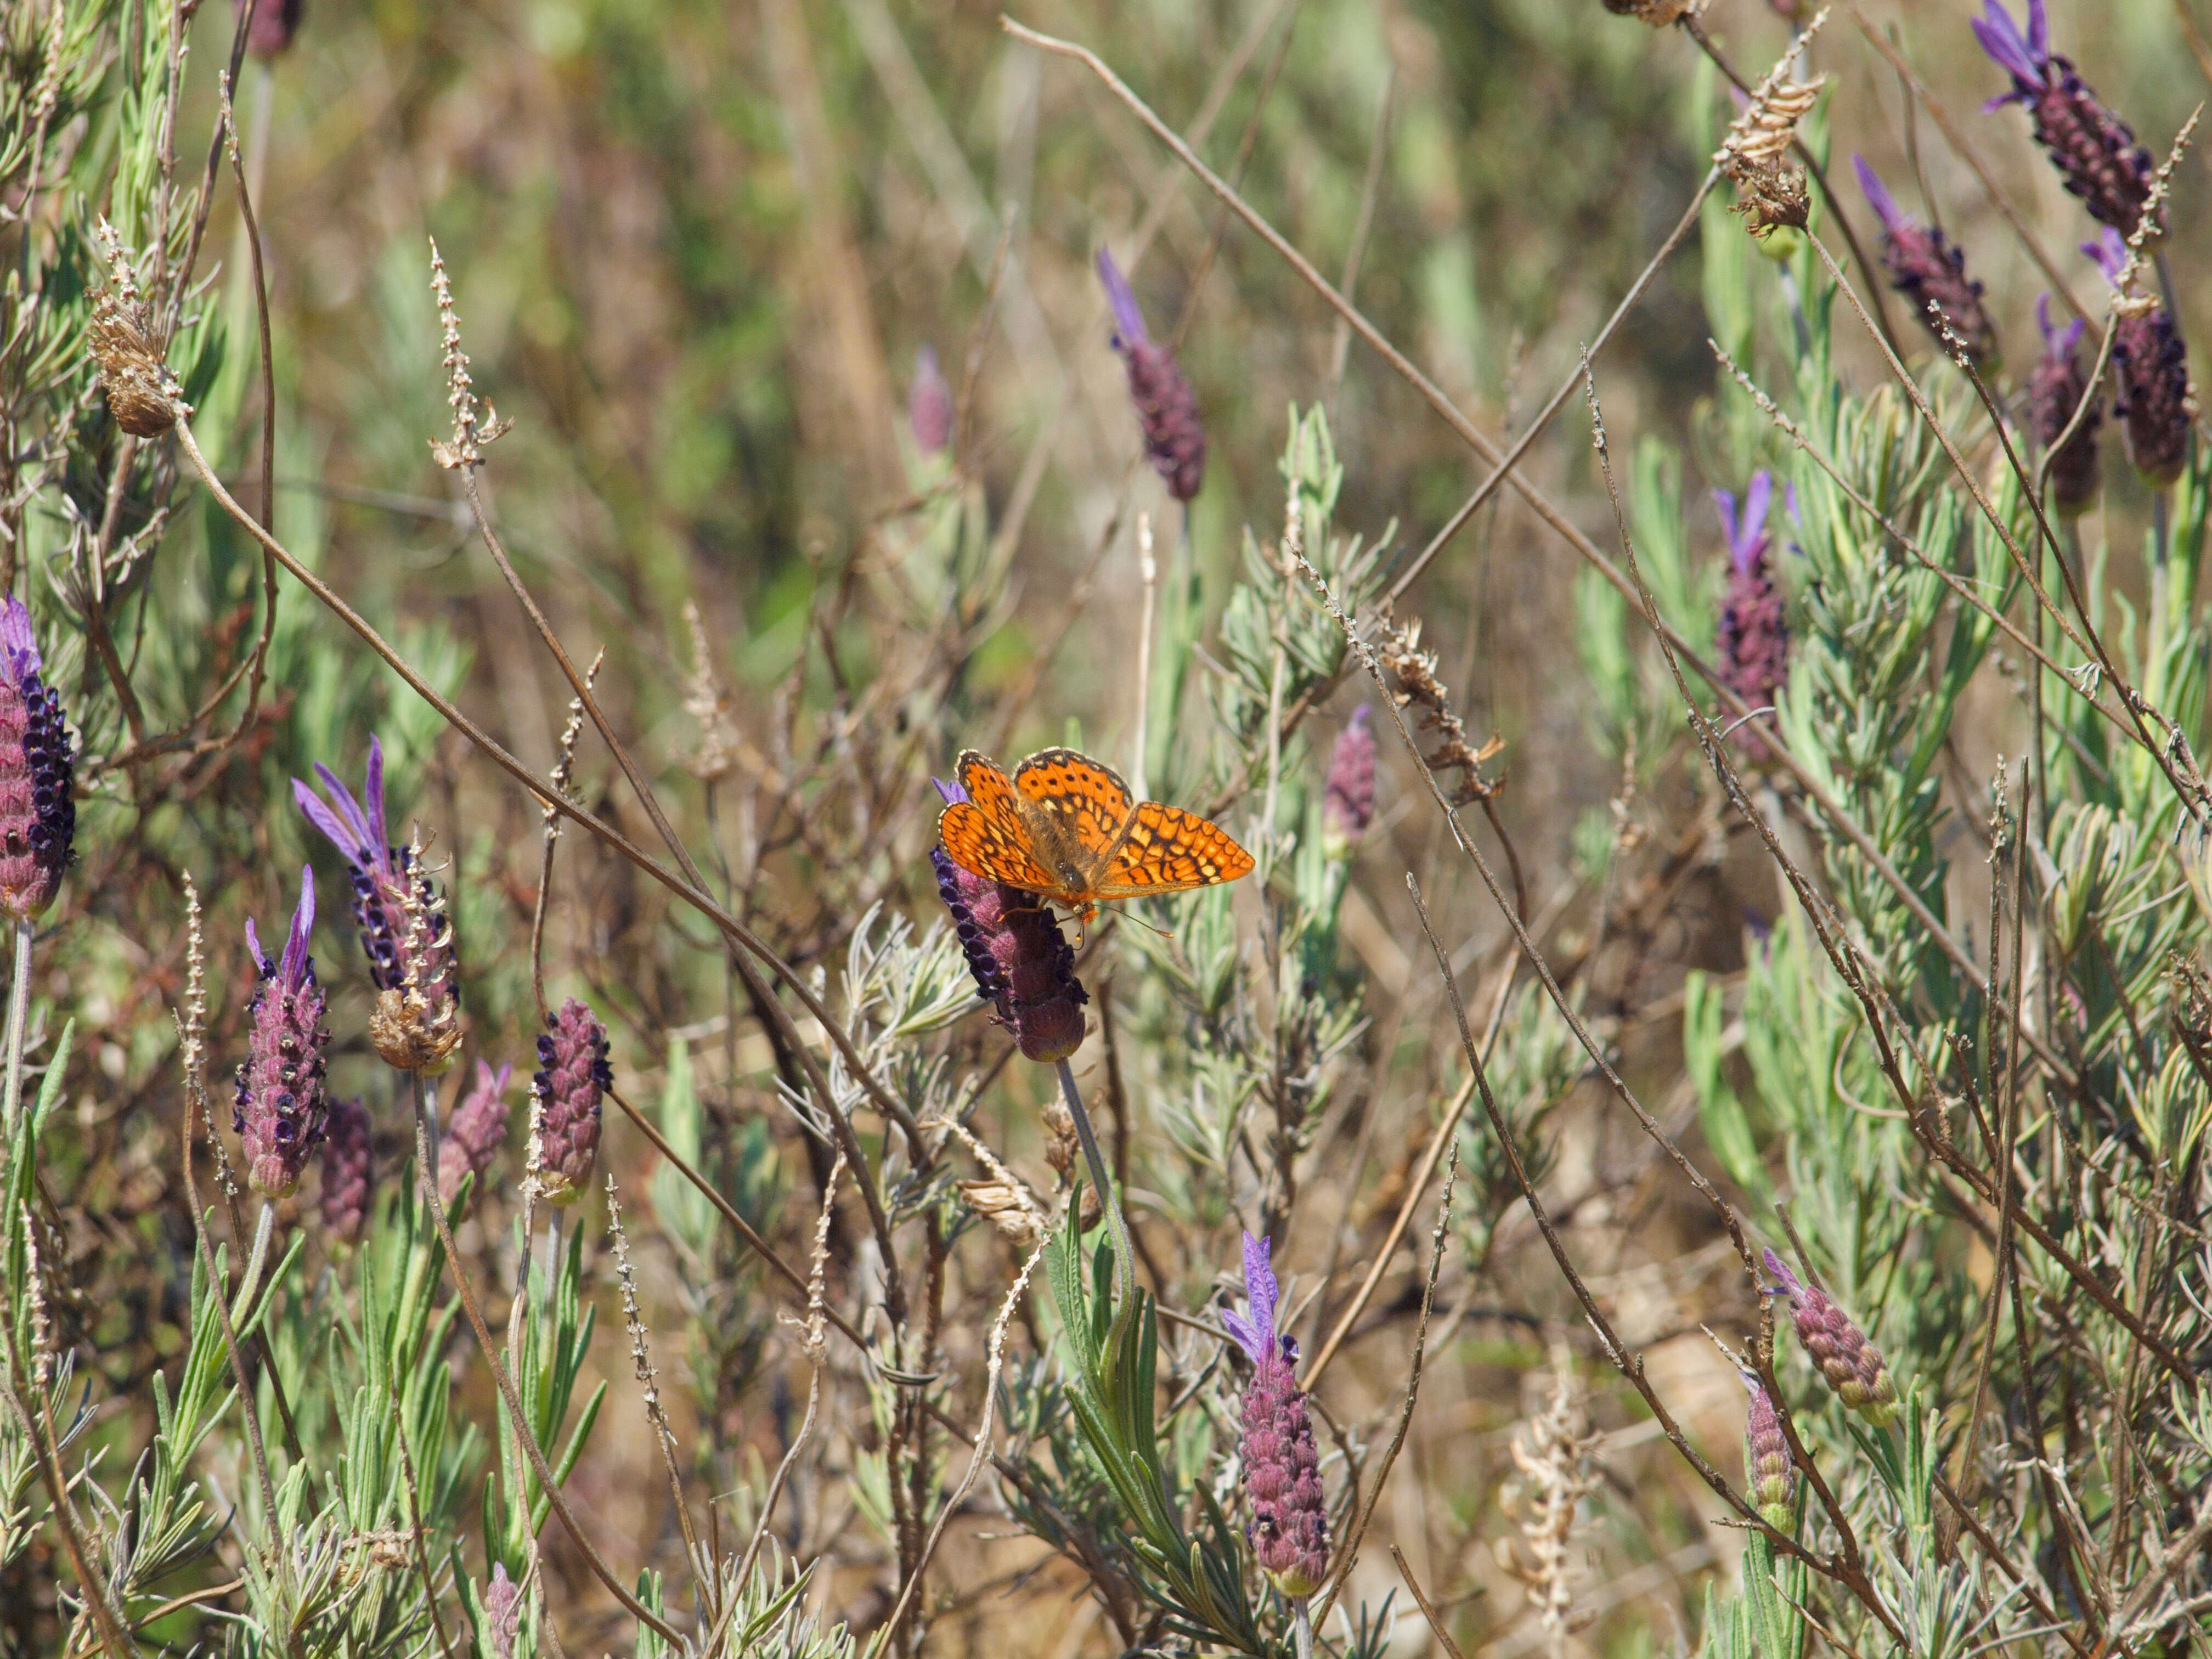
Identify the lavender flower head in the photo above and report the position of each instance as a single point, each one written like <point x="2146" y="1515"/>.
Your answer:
<point x="1927" y="268"/>
<point x="477" y="1131"/>
<point x="1754" y="635"/>
<point x="502" y="1607"/>
<point x="279" y="1115"/>
<point x="402" y="918"/>
<point x="1022" y="963"/>
<point x="1282" y="1468"/>
<point x="1167" y="409"/>
<point x="1854" y="1366"/>
<point x="349" y="1178"/>
<point x="2093" y="149"/>
<point x="38" y="800"/>
<point x="2150" y="366"/>
<point x="2054" y="392"/>
<point x="1768" y="1469"/>
<point x="275" y="22"/>
<point x="929" y="405"/>
<point x="573" y="1073"/>
<point x="1347" y="804"/>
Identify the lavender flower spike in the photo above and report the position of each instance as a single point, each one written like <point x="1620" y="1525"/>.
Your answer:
<point x="1167" y="409"/>
<point x="929" y="410"/>
<point x="573" y="1074"/>
<point x="1854" y="1366"/>
<point x="1282" y="1468"/>
<point x="38" y="799"/>
<point x="1929" y="271"/>
<point x="1769" y="1471"/>
<point x="2054" y="391"/>
<point x="2150" y="366"/>
<point x="349" y="1176"/>
<point x="1022" y="962"/>
<point x="1347" y="804"/>
<point x="1754" y="632"/>
<point x="2093" y="149"/>
<point x="279" y="1112"/>
<point x="477" y="1131"/>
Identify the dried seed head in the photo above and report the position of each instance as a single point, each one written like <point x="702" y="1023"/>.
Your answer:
<point x="1414" y="682"/>
<point x="2150" y="368"/>
<point x="477" y="1131"/>
<point x="280" y="1106"/>
<point x="1022" y="962"/>
<point x="143" y="396"/>
<point x="929" y="405"/>
<point x="1755" y="157"/>
<point x="1926" y="268"/>
<point x="1282" y="1467"/>
<point x="2054" y="392"/>
<point x="37" y="778"/>
<point x="1063" y="1150"/>
<point x="1552" y="1451"/>
<point x="705" y="701"/>
<point x="1768" y="1469"/>
<point x="1347" y="804"/>
<point x="1854" y="1366"/>
<point x="573" y="1073"/>
<point x="1011" y="1212"/>
<point x="2095" y="151"/>
<point x="1167" y="409"/>
<point x="348" y="1179"/>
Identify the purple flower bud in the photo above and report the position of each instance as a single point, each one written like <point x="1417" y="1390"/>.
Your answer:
<point x="1022" y="962"/>
<point x="1754" y="635"/>
<point x="502" y="1606"/>
<point x="1854" y="1366"/>
<point x="929" y="405"/>
<point x="348" y="1180"/>
<point x="2150" y="366"/>
<point x="2054" y="392"/>
<point x="37" y="781"/>
<point x="1282" y="1468"/>
<point x="1347" y="804"/>
<point x="275" y="24"/>
<point x="476" y="1131"/>
<point x="1929" y="271"/>
<point x="572" y="1074"/>
<point x="279" y="1114"/>
<point x="402" y="918"/>
<point x="1167" y="409"/>
<point x="2095" y="151"/>
<point x="1767" y="1466"/>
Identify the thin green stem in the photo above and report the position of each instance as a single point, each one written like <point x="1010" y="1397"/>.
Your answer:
<point x="1124" y="1259"/>
<point x="19" y="1015"/>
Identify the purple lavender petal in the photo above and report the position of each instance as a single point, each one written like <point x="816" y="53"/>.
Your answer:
<point x="253" y="946"/>
<point x="2110" y="251"/>
<point x="1128" y="321"/>
<point x="15" y="638"/>
<point x="372" y="790"/>
<point x="340" y="819"/>
<point x="1724" y="504"/>
<point x="2020" y="57"/>
<point x="303" y="924"/>
<point x="951" y="792"/>
<point x="1877" y="194"/>
<point x="1751" y="529"/>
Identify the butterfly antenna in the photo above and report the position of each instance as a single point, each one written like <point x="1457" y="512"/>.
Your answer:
<point x="1127" y="916"/>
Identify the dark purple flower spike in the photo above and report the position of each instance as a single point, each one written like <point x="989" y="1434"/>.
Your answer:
<point x="280" y="1112"/>
<point x="1754" y="633"/>
<point x="2150" y="366"/>
<point x="1022" y="963"/>
<point x="573" y="1075"/>
<point x="1854" y="1366"/>
<point x="2095" y="151"/>
<point x="1347" y="803"/>
<point x="2054" y="392"/>
<point x="1926" y="268"/>
<point x="1167" y="409"/>
<point x="349" y="1177"/>
<point x="38" y="779"/>
<point x="276" y="23"/>
<point x="1282" y="1467"/>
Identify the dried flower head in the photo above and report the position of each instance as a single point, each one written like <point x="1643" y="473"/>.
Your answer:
<point x="1755" y="157"/>
<point x="1167" y="409"/>
<point x="704" y="700"/>
<point x="2095" y="151"/>
<point x="573" y="1073"/>
<point x="476" y="1131"/>
<point x="1347" y="804"/>
<point x="2150" y="368"/>
<point x="37" y="777"/>
<point x="1552" y="1451"/>
<point x="1754" y="631"/>
<point x="1011" y="1212"/>
<point x="1925" y="267"/>
<point x="1282" y="1468"/>
<point x="929" y="405"/>
<point x="281" y="1107"/>
<point x="1854" y="1366"/>
<point x="1413" y="681"/>
<point x="143" y="396"/>
<point x="348" y="1179"/>
<point x="1063" y="1150"/>
<point x="1768" y="1469"/>
<point x="2054" y="391"/>
<point x="402" y="918"/>
<point x="1022" y="963"/>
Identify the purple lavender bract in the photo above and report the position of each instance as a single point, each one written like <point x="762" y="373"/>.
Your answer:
<point x="1282" y="1468"/>
<point x="1854" y="1366"/>
<point x="1768" y="1468"/>
<point x="1347" y="804"/>
<point x="2093" y="148"/>
<point x="349" y="1178"/>
<point x="1022" y="962"/>
<point x="1927" y="268"/>
<point x="280" y="1110"/>
<point x="1167" y="409"/>
<point x="502" y="1606"/>
<point x="476" y="1131"/>
<point x="929" y="405"/>
<point x="1754" y="634"/>
<point x="38" y="799"/>
<point x="2150" y="366"/>
<point x="2054" y="392"/>
<point x="573" y="1074"/>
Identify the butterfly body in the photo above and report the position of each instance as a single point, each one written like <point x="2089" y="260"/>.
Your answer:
<point x="1065" y="828"/>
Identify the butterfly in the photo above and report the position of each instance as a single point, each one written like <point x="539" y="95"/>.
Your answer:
<point x="1065" y="828"/>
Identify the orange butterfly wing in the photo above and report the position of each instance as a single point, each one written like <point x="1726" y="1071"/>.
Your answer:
<point x="1169" y="850"/>
<point x="985" y="835"/>
<point x="1084" y="797"/>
